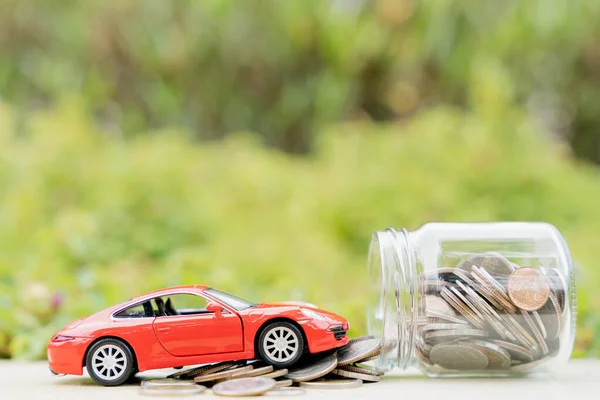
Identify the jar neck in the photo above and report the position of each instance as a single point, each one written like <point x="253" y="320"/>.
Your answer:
<point x="393" y="271"/>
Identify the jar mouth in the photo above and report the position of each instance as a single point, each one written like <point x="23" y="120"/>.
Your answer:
<point x="390" y="291"/>
<point x="377" y="274"/>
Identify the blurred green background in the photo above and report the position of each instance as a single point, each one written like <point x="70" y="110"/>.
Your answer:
<point x="255" y="145"/>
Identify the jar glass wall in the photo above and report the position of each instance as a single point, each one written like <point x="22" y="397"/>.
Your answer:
<point x="472" y="299"/>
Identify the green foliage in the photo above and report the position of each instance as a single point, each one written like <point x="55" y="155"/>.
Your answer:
<point x="98" y="220"/>
<point x="283" y="69"/>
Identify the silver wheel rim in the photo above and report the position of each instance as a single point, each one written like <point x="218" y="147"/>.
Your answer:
<point x="109" y="362"/>
<point x="281" y="344"/>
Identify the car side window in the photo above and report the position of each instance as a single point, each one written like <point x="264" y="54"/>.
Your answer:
<point x="182" y="304"/>
<point x="136" y="311"/>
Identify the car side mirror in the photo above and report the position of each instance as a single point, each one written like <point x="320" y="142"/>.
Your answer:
<point x="215" y="308"/>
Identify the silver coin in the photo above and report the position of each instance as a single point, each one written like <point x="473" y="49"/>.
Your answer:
<point x="285" y="391"/>
<point x="370" y="358"/>
<point x="275" y="374"/>
<point x="284" y="382"/>
<point x="175" y="383"/>
<point x="253" y="372"/>
<point x="332" y="384"/>
<point x="536" y="332"/>
<point x="439" y="306"/>
<point x="490" y="290"/>
<point x="551" y="316"/>
<point x="419" y="320"/>
<point x="557" y="286"/>
<point x="433" y="287"/>
<point x="358" y="351"/>
<point x="182" y="372"/>
<point x="466" y="301"/>
<point x="540" y="324"/>
<point x="494" y="263"/>
<point x="458" y="357"/>
<point x="498" y="358"/>
<point x="424" y="358"/>
<point x="361" y="338"/>
<point x="221" y="374"/>
<point x="528" y="367"/>
<point x="356" y="375"/>
<point x="452" y="334"/>
<point x="464" y="276"/>
<point x="462" y="308"/>
<point x="172" y="390"/>
<point x="441" y="327"/>
<point x="488" y="295"/>
<point x="498" y="287"/>
<point x="362" y="369"/>
<point x="521" y="334"/>
<point x="489" y="314"/>
<point x="315" y="370"/>
<point x="438" y="318"/>
<point x="517" y="352"/>
<point x="205" y="369"/>
<point x="244" y="387"/>
<point x="421" y="345"/>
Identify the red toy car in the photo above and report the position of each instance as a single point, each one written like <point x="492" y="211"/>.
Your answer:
<point x="190" y="325"/>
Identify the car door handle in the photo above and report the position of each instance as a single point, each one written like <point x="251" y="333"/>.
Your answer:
<point x="164" y="329"/>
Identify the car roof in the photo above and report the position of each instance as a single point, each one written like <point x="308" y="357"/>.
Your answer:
<point x="170" y="290"/>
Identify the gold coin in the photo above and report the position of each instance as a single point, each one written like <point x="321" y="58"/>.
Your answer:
<point x="528" y="289"/>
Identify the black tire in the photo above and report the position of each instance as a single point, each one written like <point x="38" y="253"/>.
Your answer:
<point x="117" y="355"/>
<point x="282" y="353"/>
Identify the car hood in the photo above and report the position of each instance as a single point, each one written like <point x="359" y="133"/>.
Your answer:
<point x="292" y="304"/>
<point x="296" y="305"/>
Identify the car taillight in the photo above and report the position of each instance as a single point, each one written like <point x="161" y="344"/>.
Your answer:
<point x="62" y="338"/>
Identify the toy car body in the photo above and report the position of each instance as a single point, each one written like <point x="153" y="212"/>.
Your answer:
<point x="190" y="325"/>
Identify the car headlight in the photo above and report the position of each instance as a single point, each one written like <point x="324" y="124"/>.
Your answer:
<point x="312" y="314"/>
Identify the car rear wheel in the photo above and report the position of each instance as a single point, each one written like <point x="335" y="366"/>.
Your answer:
<point x="110" y="362"/>
<point x="281" y="344"/>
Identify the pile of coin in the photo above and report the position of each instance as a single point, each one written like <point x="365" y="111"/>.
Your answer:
<point x="344" y="369"/>
<point x="489" y="313"/>
<point x="340" y="370"/>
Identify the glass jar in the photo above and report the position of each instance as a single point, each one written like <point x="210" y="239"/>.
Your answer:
<point x="472" y="299"/>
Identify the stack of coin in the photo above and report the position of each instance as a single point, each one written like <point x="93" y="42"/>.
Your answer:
<point x="489" y="313"/>
<point x="344" y="369"/>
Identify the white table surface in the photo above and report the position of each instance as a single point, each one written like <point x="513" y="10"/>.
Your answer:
<point x="580" y="379"/>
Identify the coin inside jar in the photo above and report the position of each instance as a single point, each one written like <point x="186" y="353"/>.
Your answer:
<point x="528" y="289"/>
<point x="498" y="358"/>
<point x="458" y="356"/>
<point x="492" y="262"/>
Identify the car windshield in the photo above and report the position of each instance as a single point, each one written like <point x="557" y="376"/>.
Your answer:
<point x="229" y="299"/>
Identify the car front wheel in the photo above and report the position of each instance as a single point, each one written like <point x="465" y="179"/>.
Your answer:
<point x="281" y="344"/>
<point x="110" y="362"/>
